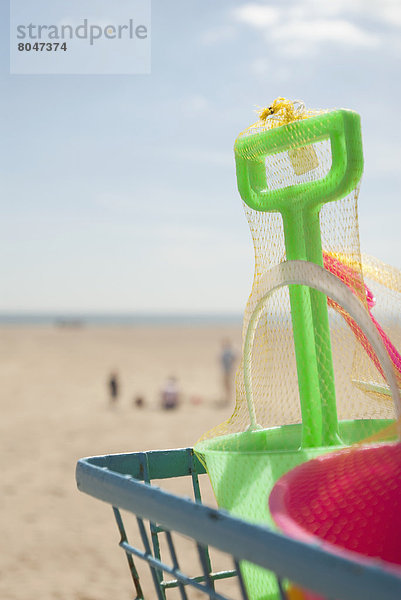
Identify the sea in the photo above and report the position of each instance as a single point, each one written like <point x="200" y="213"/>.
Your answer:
<point x="60" y="319"/>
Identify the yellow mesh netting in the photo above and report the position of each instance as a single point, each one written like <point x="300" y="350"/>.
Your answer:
<point x="360" y="388"/>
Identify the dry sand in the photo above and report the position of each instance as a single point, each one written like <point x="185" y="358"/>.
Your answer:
<point x="59" y="544"/>
<point x="56" y="542"/>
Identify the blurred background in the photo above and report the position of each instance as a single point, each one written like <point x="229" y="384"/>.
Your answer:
<point x="119" y="192"/>
<point x="125" y="250"/>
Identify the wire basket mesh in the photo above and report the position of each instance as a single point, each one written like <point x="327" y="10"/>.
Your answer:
<point x="125" y="481"/>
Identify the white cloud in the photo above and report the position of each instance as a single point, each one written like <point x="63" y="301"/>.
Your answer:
<point x="387" y="11"/>
<point x="318" y="31"/>
<point x="331" y="8"/>
<point x="303" y="26"/>
<point x="300" y="27"/>
<point x="391" y="12"/>
<point x="257" y="15"/>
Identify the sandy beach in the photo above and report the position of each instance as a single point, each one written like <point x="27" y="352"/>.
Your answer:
<point x="56" y="542"/>
<point x="59" y="544"/>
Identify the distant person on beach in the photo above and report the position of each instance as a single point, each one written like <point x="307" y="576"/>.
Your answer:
<point x="170" y="394"/>
<point x="114" y="388"/>
<point x="228" y="359"/>
<point x="138" y="402"/>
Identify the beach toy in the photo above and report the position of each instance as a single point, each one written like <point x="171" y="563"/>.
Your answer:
<point x="299" y="206"/>
<point x="349" y="502"/>
<point x="298" y="173"/>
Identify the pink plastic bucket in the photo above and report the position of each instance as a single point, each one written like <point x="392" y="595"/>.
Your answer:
<point x="350" y="500"/>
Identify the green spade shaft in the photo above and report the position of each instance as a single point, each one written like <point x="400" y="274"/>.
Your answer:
<point x="311" y="336"/>
<point x="300" y="206"/>
<point x="321" y="328"/>
<point x="304" y="339"/>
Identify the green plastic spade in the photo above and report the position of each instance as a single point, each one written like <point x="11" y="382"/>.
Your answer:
<point x="300" y="206"/>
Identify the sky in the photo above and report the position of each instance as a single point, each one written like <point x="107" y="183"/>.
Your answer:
<point x="119" y="191"/>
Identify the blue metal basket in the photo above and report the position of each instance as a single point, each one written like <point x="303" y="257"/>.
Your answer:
<point x="124" y="481"/>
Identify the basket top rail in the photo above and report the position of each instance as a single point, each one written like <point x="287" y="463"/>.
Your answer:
<point x="119" y="480"/>
<point x="155" y="464"/>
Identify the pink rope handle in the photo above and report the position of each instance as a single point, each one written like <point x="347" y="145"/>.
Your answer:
<point x="353" y="280"/>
